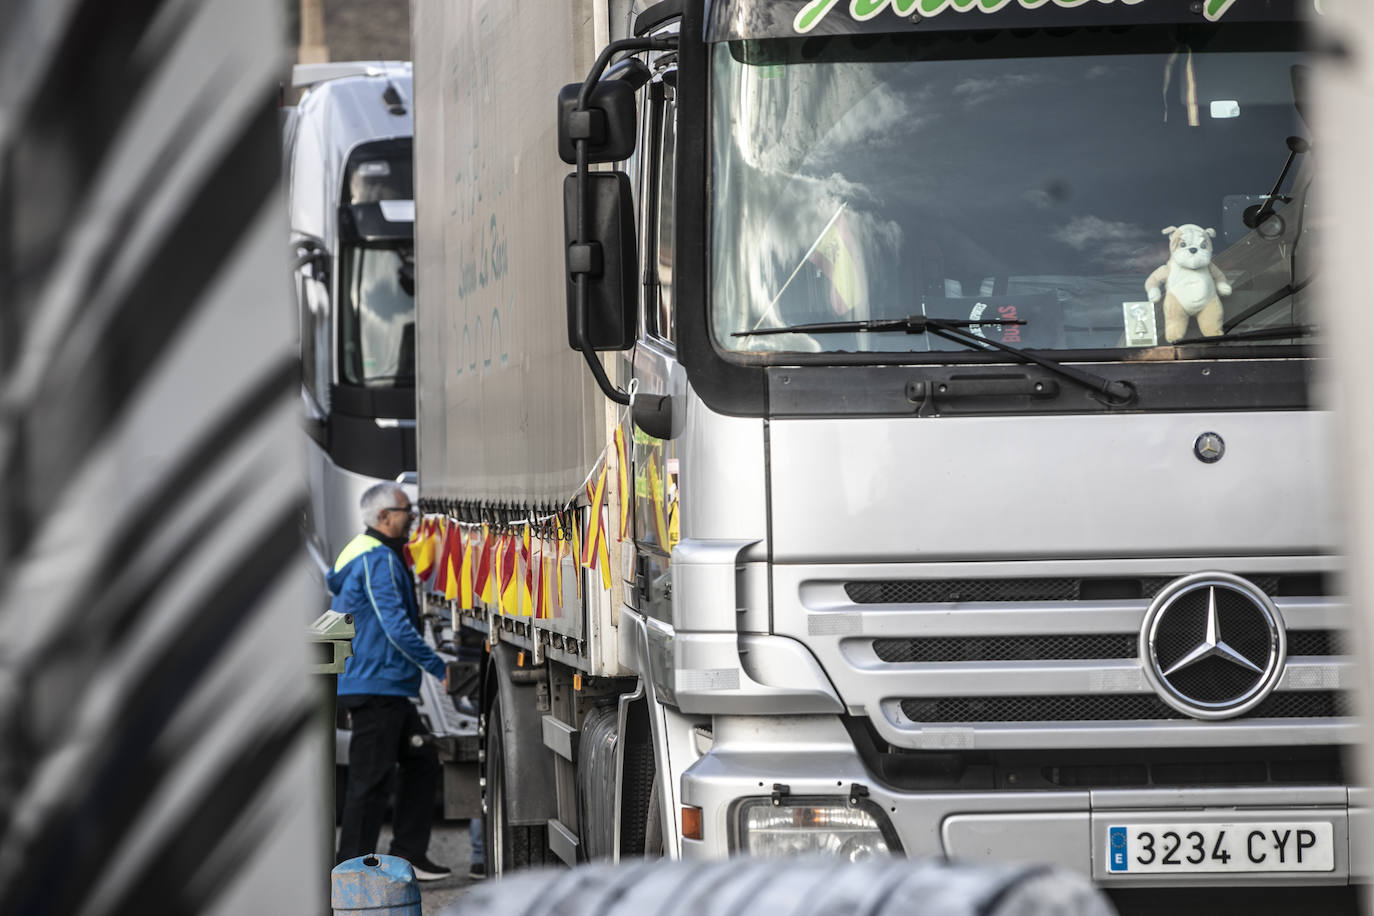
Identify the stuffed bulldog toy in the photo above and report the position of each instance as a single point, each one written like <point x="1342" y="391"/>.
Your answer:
<point x="1190" y="284"/>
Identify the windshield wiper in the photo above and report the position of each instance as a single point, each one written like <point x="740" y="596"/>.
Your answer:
<point x="1117" y="393"/>
<point x="1274" y="298"/>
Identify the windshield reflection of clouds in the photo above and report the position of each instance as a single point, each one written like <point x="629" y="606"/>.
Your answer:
<point x="1114" y="244"/>
<point x="975" y="92"/>
<point x="852" y="190"/>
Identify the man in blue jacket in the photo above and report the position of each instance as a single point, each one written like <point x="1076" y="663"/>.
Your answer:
<point x="370" y="581"/>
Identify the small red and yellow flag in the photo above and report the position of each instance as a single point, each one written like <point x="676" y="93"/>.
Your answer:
<point x="420" y="549"/>
<point x="527" y="576"/>
<point x="441" y="576"/>
<point x="603" y="558"/>
<point x="411" y="545"/>
<point x="622" y="465"/>
<point x="482" y="579"/>
<point x="452" y="562"/>
<point x="596" y="495"/>
<point x="465" y="571"/>
<point x="539" y="596"/>
<point x="575" y="526"/>
<point x="560" y="547"/>
<point x="510" y="587"/>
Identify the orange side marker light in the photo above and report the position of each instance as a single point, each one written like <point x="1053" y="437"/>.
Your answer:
<point x="691" y="822"/>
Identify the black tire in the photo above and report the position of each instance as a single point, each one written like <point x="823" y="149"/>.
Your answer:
<point x="506" y="848"/>
<point x="636" y="797"/>
<point x="795" y="887"/>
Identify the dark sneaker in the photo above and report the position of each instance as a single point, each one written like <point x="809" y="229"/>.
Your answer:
<point x="425" y="870"/>
<point x="477" y="871"/>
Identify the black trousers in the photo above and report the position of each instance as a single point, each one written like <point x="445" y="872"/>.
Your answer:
<point x="383" y="727"/>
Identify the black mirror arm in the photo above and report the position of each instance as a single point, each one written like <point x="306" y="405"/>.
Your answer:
<point x="651" y="413"/>
<point x="583" y="216"/>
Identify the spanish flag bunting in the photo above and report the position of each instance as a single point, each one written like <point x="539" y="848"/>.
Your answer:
<point x="597" y="496"/>
<point x="527" y="579"/>
<point x="441" y="577"/>
<point x="483" y="577"/>
<point x="623" y="478"/>
<point x="510" y="585"/>
<point x="465" y="572"/>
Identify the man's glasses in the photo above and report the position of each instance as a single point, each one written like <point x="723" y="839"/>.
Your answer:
<point x="408" y="510"/>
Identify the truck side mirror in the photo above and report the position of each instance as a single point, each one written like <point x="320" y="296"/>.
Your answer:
<point x="608" y="124"/>
<point x="606" y="261"/>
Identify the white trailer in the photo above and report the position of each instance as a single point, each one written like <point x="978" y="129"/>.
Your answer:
<point x="950" y="532"/>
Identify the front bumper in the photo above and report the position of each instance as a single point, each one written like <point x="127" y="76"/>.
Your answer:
<point x="814" y="756"/>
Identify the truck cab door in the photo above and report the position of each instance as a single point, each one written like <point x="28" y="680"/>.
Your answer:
<point x="655" y="364"/>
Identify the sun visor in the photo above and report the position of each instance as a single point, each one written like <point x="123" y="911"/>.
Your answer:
<point x="733" y="20"/>
<point x="378" y="221"/>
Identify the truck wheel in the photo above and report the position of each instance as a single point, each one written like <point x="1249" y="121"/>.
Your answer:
<point x="506" y="848"/>
<point x="639" y="801"/>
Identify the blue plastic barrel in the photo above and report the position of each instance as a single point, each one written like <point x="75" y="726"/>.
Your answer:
<point x="376" y="885"/>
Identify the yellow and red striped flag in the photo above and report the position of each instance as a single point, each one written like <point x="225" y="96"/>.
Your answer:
<point x="560" y="547"/>
<point x="421" y="549"/>
<point x="603" y="557"/>
<point x="527" y="574"/>
<point x="539" y="578"/>
<point x="510" y="587"/>
<point x="465" y="571"/>
<point x="596" y="496"/>
<point x="482" y="581"/>
<point x="576" y="528"/>
<point x="623" y="478"/>
<point x="441" y="575"/>
<point x="412" y="544"/>
<point x="452" y="561"/>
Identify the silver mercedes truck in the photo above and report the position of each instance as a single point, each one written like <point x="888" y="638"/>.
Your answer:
<point x="952" y="366"/>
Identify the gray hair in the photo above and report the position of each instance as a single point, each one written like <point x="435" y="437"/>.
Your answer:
<point x="377" y="497"/>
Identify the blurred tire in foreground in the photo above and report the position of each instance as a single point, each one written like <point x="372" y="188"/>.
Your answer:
<point x="795" y="887"/>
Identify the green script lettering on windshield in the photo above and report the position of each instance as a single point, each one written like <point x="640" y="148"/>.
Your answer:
<point x="861" y="10"/>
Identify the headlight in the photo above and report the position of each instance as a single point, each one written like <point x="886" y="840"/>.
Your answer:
<point x="811" y="826"/>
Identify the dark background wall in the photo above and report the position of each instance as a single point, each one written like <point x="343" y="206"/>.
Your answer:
<point x="359" y="29"/>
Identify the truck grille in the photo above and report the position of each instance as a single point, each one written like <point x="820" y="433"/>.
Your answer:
<point x="937" y="591"/>
<point x="1061" y="647"/>
<point x="1105" y="707"/>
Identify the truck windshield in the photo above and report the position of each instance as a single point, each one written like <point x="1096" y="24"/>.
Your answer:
<point x="1049" y="176"/>
<point x="377" y="322"/>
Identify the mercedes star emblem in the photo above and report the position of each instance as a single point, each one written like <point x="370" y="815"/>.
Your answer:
<point x="1209" y="447"/>
<point x="1213" y="645"/>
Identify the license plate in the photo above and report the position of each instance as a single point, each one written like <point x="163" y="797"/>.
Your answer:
<point x="1269" y="846"/>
